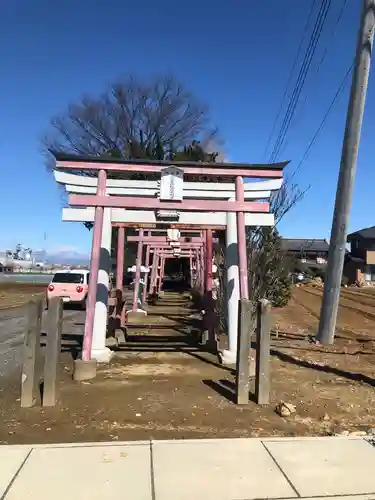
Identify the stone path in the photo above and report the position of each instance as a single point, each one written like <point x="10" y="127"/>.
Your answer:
<point x="219" y="469"/>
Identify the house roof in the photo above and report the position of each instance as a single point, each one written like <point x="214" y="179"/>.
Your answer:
<point x="367" y="233"/>
<point x="60" y="156"/>
<point x="304" y="245"/>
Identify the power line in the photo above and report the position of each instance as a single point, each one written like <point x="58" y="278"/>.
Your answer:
<point x="338" y="19"/>
<point x="290" y="76"/>
<point x="322" y="123"/>
<point x="314" y="38"/>
<point x="306" y="64"/>
<point x="331" y="36"/>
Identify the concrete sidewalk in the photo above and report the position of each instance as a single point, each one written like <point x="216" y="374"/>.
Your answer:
<point x="217" y="469"/>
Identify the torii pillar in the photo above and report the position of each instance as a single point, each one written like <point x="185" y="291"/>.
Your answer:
<point x="99" y="351"/>
<point x="120" y="258"/>
<point x="228" y="356"/>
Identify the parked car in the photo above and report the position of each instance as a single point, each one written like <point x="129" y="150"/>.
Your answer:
<point x="72" y="286"/>
<point x="298" y="277"/>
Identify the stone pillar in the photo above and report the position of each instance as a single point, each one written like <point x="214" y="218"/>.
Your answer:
<point x="232" y="288"/>
<point x="99" y="351"/>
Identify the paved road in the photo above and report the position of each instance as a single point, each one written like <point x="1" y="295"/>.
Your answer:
<point x="25" y="278"/>
<point x="12" y="329"/>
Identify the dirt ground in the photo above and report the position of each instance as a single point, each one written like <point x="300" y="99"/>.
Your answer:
<point x="16" y="294"/>
<point x="162" y="385"/>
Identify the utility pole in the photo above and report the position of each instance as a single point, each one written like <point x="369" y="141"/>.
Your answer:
<point x="344" y="193"/>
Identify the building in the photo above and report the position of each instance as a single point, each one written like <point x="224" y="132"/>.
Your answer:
<point x="21" y="259"/>
<point x="309" y="251"/>
<point x="360" y="263"/>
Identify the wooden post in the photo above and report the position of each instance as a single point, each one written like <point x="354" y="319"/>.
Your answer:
<point x="147" y="265"/>
<point x="53" y="349"/>
<point x="155" y="259"/>
<point x="30" y="372"/>
<point x="198" y="270"/>
<point x="120" y="258"/>
<point x="241" y="238"/>
<point x="191" y="269"/>
<point x="202" y="271"/>
<point x="138" y="264"/>
<point x="243" y="347"/>
<point x="161" y="275"/>
<point x="263" y="339"/>
<point x="208" y="301"/>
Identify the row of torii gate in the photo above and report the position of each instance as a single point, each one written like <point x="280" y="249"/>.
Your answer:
<point x="197" y="198"/>
<point x="158" y="250"/>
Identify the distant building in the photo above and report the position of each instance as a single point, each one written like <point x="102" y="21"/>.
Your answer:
<point x="310" y="251"/>
<point x="360" y="262"/>
<point x="21" y="259"/>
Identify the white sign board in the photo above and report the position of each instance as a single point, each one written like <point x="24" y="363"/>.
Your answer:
<point x="172" y="184"/>
<point x="173" y="234"/>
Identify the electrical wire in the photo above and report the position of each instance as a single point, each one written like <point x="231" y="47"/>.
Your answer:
<point x="331" y="36"/>
<point x="338" y="19"/>
<point x="290" y="77"/>
<point x="322" y="123"/>
<point x="317" y="30"/>
<point x="306" y="64"/>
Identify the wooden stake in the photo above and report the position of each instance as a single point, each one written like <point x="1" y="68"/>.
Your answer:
<point x="31" y="355"/>
<point x="53" y="349"/>
<point x="243" y="346"/>
<point x="263" y="339"/>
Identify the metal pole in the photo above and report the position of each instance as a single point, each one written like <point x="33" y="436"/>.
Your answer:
<point x="344" y="193"/>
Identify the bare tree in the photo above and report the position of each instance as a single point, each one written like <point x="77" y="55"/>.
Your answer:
<point x="132" y="119"/>
<point x="268" y="264"/>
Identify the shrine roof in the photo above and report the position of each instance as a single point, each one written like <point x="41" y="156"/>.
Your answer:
<point x="118" y="165"/>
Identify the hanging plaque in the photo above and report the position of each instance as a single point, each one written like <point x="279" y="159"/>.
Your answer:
<point x="172" y="184"/>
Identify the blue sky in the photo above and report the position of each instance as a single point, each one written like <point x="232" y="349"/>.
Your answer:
<point x="236" y="56"/>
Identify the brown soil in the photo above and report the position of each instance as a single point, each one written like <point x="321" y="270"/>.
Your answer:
<point x="16" y="295"/>
<point x="162" y="385"/>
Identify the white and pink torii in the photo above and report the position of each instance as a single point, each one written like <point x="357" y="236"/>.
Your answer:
<point x="179" y="196"/>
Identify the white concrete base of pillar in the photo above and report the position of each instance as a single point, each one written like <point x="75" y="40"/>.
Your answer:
<point x="102" y="355"/>
<point x="227" y="357"/>
<point x="138" y="312"/>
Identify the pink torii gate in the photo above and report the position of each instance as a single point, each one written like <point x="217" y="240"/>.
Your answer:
<point x="162" y="244"/>
<point x="170" y="202"/>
